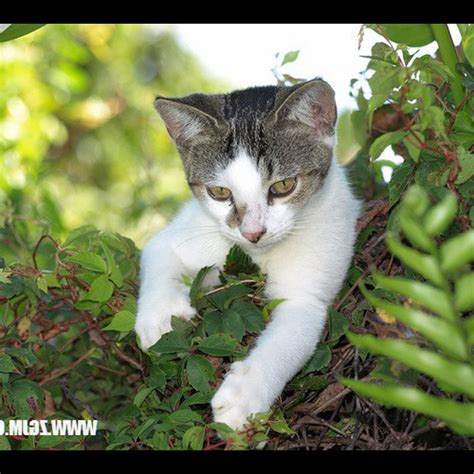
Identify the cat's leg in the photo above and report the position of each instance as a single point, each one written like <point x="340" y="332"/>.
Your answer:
<point x="288" y="341"/>
<point x="161" y="292"/>
<point x="186" y="245"/>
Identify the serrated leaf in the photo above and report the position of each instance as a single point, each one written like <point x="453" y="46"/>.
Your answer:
<point x="89" y="261"/>
<point x="114" y="271"/>
<point x="232" y="324"/>
<point x="171" y="343"/>
<point x="79" y="233"/>
<point x="213" y="322"/>
<point x="218" y="345"/>
<point x="320" y="359"/>
<point x="101" y="290"/>
<point x="156" y="379"/>
<point x="250" y="314"/>
<point x="6" y="364"/>
<point x="338" y="324"/>
<point x="200" y="371"/>
<point x="194" y="292"/>
<point x="185" y="416"/>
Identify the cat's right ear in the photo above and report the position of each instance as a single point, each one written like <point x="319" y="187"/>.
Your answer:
<point x="184" y="121"/>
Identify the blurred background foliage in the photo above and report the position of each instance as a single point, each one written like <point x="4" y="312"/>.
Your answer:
<point x="80" y="141"/>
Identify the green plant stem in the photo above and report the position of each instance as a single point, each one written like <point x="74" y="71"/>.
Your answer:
<point x="449" y="57"/>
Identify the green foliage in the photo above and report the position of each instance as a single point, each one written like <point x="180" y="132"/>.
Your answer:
<point x="77" y="124"/>
<point x="438" y="310"/>
<point x="68" y="349"/>
<point x="422" y="107"/>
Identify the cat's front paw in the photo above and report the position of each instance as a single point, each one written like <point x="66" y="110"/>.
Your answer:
<point x="242" y="394"/>
<point x="154" y="317"/>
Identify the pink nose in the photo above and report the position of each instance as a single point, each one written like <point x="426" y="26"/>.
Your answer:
<point x="254" y="237"/>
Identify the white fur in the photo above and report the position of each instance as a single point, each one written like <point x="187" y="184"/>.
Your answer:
<point x="305" y="255"/>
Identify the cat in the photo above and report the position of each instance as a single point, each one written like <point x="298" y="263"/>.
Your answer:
<point x="260" y="165"/>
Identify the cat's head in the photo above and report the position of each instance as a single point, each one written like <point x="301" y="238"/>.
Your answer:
<point x="254" y="158"/>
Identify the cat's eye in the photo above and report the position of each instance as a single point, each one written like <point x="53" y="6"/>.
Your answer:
<point x="283" y="188"/>
<point x="219" y="193"/>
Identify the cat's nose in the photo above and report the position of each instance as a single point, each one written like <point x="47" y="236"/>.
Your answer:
<point x="254" y="237"/>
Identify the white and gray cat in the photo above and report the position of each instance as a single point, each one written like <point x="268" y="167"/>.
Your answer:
<point x="260" y="165"/>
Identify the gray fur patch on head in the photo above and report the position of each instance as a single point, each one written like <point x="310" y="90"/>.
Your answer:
<point x="285" y="129"/>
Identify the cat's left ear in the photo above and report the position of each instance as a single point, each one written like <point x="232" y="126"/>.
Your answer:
<point x="189" y="118"/>
<point x="311" y="103"/>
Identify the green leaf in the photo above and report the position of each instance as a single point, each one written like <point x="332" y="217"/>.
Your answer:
<point x="200" y="371"/>
<point x="222" y="299"/>
<point x="468" y="44"/>
<point x="460" y="416"/>
<point x="101" y="290"/>
<point x="232" y="324"/>
<point x="415" y="233"/>
<point x="320" y="359"/>
<point x="113" y="269"/>
<point x="4" y="444"/>
<point x="17" y="30"/>
<point x="237" y="261"/>
<point x="193" y="438"/>
<point x="270" y="306"/>
<point x="213" y="323"/>
<point x="156" y="379"/>
<point x="423" y="264"/>
<point x="466" y="160"/>
<point x="89" y="261"/>
<point x="413" y="145"/>
<point x="20" y="392"/>
<point x="399" y="181"/>
<point x="142" y="395"/>
<point x="469" y="328"/>
<point x="290" y="57"/>
<point x="385" y="140"/>
<point x="171" y="343"/>
<point x="457" y="252"/>
<point x="338" y="325"/>
<point x="6" y="364"/>
<point x="42" y="284"/>
<point x="426" y="295"/>
<point x="279" y="424"/>
<point x="123" y="321"/>
<point x="375" y="102"/>
<point x="464" y="295"/>
<point x="79" y="233"/>
<point x="384" y="80"/>
<point x="185" y="416"/>
<point x="250" y="314"/>
<point x="416" y="200"/>
<point x="459" y="376"/>
<point x="218" y="345"/>
<point x="412" y="34"/>
<point x="194" y="292"/>
<point x="444" y="334"/>
<point x="438" y="218"/>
